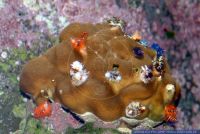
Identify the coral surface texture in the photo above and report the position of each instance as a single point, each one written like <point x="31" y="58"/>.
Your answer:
<point x="48" y="76"/>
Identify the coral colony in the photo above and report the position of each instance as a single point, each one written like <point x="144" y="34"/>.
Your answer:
<point x="91" y="73"/>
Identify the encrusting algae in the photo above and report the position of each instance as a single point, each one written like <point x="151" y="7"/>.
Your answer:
<point x="96" y="68"/>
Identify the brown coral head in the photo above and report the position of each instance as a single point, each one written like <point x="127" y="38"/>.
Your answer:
<point x="92" y="83"/>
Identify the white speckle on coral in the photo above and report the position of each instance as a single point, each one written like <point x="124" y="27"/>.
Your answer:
<point x="145" y="71"/>
<point x="170" y="88"/>
<point x="46" y="105"/>
<point x="159" y="78"/>
<point x="4" y="55"/>
<point x="118" y="78"/>
<point x="169" y="93"/>
<point x="78" y="74"/>
<point x="60" y="91"/>
<point x="130" y="112"/>
<point x="79" y="78"/>
<point x="134" y="109"/>
<point x="113" y="76"/>
<point x="107" y="74"/>
<point x="76" y="65"/>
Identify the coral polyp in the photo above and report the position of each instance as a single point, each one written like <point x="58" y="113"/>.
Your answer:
<point x="92" y="83"/>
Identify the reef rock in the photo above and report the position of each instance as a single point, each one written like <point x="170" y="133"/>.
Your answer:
<point x="120" y="81"/>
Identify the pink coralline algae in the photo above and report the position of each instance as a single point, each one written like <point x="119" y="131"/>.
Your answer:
<point x="175" y="25"/>
<point x="23" y="24"/>
<point x="97" y="11"/>
<point x="60" y="120"/>
<point x="11" y="26"/>
<point x="194" y="123"/>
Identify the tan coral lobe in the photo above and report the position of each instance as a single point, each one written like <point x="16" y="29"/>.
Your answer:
<point x="108" y="100"/>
